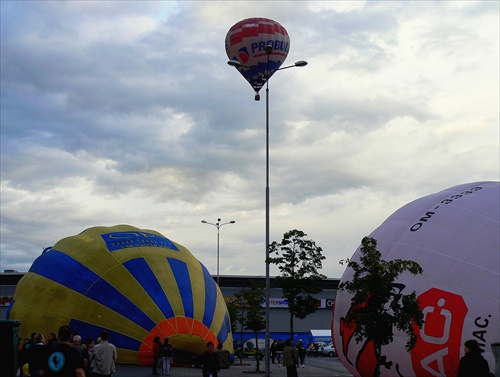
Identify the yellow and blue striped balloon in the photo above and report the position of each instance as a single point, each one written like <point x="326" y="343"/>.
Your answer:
<point x="134" y="283"/>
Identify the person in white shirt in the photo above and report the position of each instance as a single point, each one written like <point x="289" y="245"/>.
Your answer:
<point x="104" y="357"/>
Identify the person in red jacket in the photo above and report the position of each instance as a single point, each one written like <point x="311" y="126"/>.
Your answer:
<point x="156" y="354"/>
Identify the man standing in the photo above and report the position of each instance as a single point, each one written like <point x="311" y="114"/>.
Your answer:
<point x="290" y="359"/>
<point x="279" y="351"/>
<point x="64" y="360"/>
<point x="77" y="344"/>
<point x="37" y="355"/>
<point x="52" y="340"/>
<point x="104" y="356"/>
<point x="209" y="361"/>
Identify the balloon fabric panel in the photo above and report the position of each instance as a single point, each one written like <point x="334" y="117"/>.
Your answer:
<point x="142" y="272"/>
<point x="44" y="267"/>
<point x="124" y="244"/>
<point x="210" y="298"/>
<point x="90" y="285"/>
<point x="225" y="330"/>
<point x="119" y="339"/>
<point x="183" y="281"/>
<point x="69" y="304"/>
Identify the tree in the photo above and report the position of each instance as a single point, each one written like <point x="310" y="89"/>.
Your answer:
<point x="253" y="319"/>
<point x="377" y="306"/>
<point x="298" y="260"/>
<point x="234" y="315"/>
<point x="236" y="309"/>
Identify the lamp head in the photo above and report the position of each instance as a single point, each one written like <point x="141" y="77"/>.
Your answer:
<point x="301" y="63"/>
<point x="232" y="222"/>
<point x="203" y="221"/>
<point x="234" y="63"/>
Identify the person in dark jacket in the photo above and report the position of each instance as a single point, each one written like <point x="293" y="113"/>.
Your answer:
<point x="52" y="340"/>
<point x="473" y="363"/>
<point x="302" y="352"/>
<point x="37" y="355"/>
<point x="209" y="361"/>
<point x="290" y="359"/>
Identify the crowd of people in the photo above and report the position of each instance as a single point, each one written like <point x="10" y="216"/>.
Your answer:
<point x="64" y="355"/>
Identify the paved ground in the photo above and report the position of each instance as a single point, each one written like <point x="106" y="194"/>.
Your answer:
<point x="312" y="369"/>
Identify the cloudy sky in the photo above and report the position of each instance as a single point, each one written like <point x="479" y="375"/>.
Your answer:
<point x="127" y="113"/>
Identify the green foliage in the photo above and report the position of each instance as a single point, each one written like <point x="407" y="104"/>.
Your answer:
<point x="254" y="319"/>
<point x="234" y="314"/>
<point x="298" y="260"/>
<point x="252" y="300"/>
<point x="378" y="306"/>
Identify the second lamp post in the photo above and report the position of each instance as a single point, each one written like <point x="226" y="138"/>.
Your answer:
<point x="218" y="225"/>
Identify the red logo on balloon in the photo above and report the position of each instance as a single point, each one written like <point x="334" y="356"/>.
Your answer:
<point x="437" y="352"/>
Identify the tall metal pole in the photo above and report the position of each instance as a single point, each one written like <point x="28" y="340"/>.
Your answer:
<point x="218" y="227"/>
<point x="268" y="336"/>
<point x="237" y="64"/>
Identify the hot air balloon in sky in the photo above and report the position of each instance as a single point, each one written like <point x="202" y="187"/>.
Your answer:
<point x="134" y="283"/>
<point x="246" y="43"/>
<point x="454" y="236"/>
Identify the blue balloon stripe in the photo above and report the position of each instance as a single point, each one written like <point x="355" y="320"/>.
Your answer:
<point x="141" y="271"/>
<point x="88" y="330"/>
<point x="181" y="274"/>
<point x="225" y="329"/>
<point x="44" y="266"/>
<point x="104" y="293"/>
<point x="210" y="297"/>
<point x="88" y="284"/>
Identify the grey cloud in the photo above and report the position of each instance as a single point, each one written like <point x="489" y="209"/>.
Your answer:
<point x="103" y="123"/>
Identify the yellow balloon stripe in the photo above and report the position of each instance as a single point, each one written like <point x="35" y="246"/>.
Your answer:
<point x="58" y="309"/>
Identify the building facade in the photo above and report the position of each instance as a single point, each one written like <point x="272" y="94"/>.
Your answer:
<point x="279" y="316"/>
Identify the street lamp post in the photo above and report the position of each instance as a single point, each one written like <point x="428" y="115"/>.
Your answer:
<point x="235" y="63"/>
<point x="218" y="225"/>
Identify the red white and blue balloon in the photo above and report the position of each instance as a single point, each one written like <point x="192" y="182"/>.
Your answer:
<point x="454" y="236"/>
<point x="246" y="43"/>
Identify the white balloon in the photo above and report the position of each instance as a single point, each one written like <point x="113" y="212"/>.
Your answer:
<point x="454" y="236"/>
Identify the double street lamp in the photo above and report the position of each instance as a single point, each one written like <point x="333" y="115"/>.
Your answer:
<point x="267" y="74"/>
<point x="218" y="225"/>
